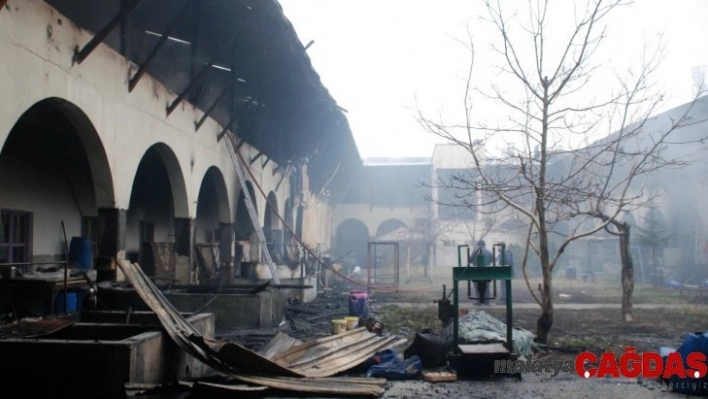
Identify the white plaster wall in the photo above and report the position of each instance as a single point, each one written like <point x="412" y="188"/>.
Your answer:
<point x="49" y="239"/>
<point x="37" y="65"/>
<point x="314" y="231"/>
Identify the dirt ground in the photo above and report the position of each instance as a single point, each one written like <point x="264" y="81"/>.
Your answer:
<point x="587" y="317"/>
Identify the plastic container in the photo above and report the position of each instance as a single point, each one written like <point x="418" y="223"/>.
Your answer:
<point x="339" y="326"/>
<point x="71" y="303"/>
<point x="81" y="252"/>
<point x="352" y="322"/>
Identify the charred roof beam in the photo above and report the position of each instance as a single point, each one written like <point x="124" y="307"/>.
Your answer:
<point x="80" y="55"/>
<point x="237" y="115"/>
<point x="201" y="120"/>
<point x="254" y="159"/>
<point x="209" y="66"/>
<point x="163" y="39"/>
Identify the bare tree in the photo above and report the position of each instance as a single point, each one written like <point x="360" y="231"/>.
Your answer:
<point x="562" y="171"/>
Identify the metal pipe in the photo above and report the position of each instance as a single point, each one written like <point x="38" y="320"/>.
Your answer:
<point x="61" y="262"/>
<point x="66" y="270"/>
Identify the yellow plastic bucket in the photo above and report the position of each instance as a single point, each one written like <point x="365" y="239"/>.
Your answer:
<point x="352" y="322"/>
<point x="339" y="326"/>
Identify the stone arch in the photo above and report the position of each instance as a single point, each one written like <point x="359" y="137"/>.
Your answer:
<point x="351" y="242"/>
<point x="158" y="198"/>
<point x="212" y="206"/>
<point x="390" y="226"/>
<point x="212" y="225"/>
<point x="53" y="171"/>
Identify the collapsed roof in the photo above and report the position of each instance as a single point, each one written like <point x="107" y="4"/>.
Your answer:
<point x="240" y="62"/>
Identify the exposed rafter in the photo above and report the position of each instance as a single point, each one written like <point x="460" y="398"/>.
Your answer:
<point x="163" y="39"/>
<point x="254" y="159"/>
<point x="80" y="55"/>
<point x="202" y="73"/>
<point x="234" y="118"/>
<point x="208" y="112"/>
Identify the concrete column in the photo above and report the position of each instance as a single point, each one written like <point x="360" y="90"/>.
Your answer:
<point x="111" y="232"/>
<point x="111" y="242"/>
<point x="183" y="236"/>
<point x="226" y="241"/>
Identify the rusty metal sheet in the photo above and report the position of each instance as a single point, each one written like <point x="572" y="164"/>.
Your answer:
<point x="36" y="327"/>
<point x="227" y="357"/>
<point x="328" y="356"/>
<point x="279" y="344"/>
<point x="316" y="359"/>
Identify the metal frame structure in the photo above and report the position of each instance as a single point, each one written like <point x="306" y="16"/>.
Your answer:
<point x="371" y="265"/>
<point x="494" y="272"/>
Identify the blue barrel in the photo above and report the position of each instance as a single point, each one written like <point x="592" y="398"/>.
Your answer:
<point x="81" y="252"/>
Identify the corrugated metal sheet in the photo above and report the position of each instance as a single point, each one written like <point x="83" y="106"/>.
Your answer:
<point x="281" y="360"/>
<point x="328" y="356"/>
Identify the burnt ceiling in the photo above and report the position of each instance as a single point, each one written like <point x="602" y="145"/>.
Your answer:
<point x="241" y="62"/>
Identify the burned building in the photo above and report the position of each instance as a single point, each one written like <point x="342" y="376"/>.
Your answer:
<point x="118" y="128"/>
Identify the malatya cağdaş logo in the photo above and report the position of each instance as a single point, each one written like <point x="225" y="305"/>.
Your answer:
<point x="647" y="365"/>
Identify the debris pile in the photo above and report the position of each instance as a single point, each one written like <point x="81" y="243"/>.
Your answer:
<point x="285" y="363"/>
<point x="302" y="321"/>
<point x="479" y="326"/>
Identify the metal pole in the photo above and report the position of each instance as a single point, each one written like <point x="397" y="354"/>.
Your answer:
<point x="66" y="272"/>
<point x="455" y="312"/>
<point x="368" y="267"/>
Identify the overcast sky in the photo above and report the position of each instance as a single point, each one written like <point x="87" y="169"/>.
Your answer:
<point x="377" y="57"/>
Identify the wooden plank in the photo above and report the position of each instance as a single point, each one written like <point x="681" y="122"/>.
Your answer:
<point x="316" y="385"/>
<point x="228" y="387"/>
<point x="483" y="349"/>
<point x="439" y="376"/>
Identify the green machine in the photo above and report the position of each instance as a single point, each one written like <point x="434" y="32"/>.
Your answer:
<point x="477" y="358"/>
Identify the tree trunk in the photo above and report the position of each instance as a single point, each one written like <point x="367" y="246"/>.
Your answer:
<point x="627" y="272"/>
<point x="545" y="321"/>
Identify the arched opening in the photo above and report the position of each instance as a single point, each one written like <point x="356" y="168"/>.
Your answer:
<point x="272" y="229"/>
<point x="391" y="230"/>
<point x="212" y="206"/>
<point x="212" y="227"/>
<point x="158" y="196"/>
<point x="351" y="243"/>
<point x="53" y="171"/>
